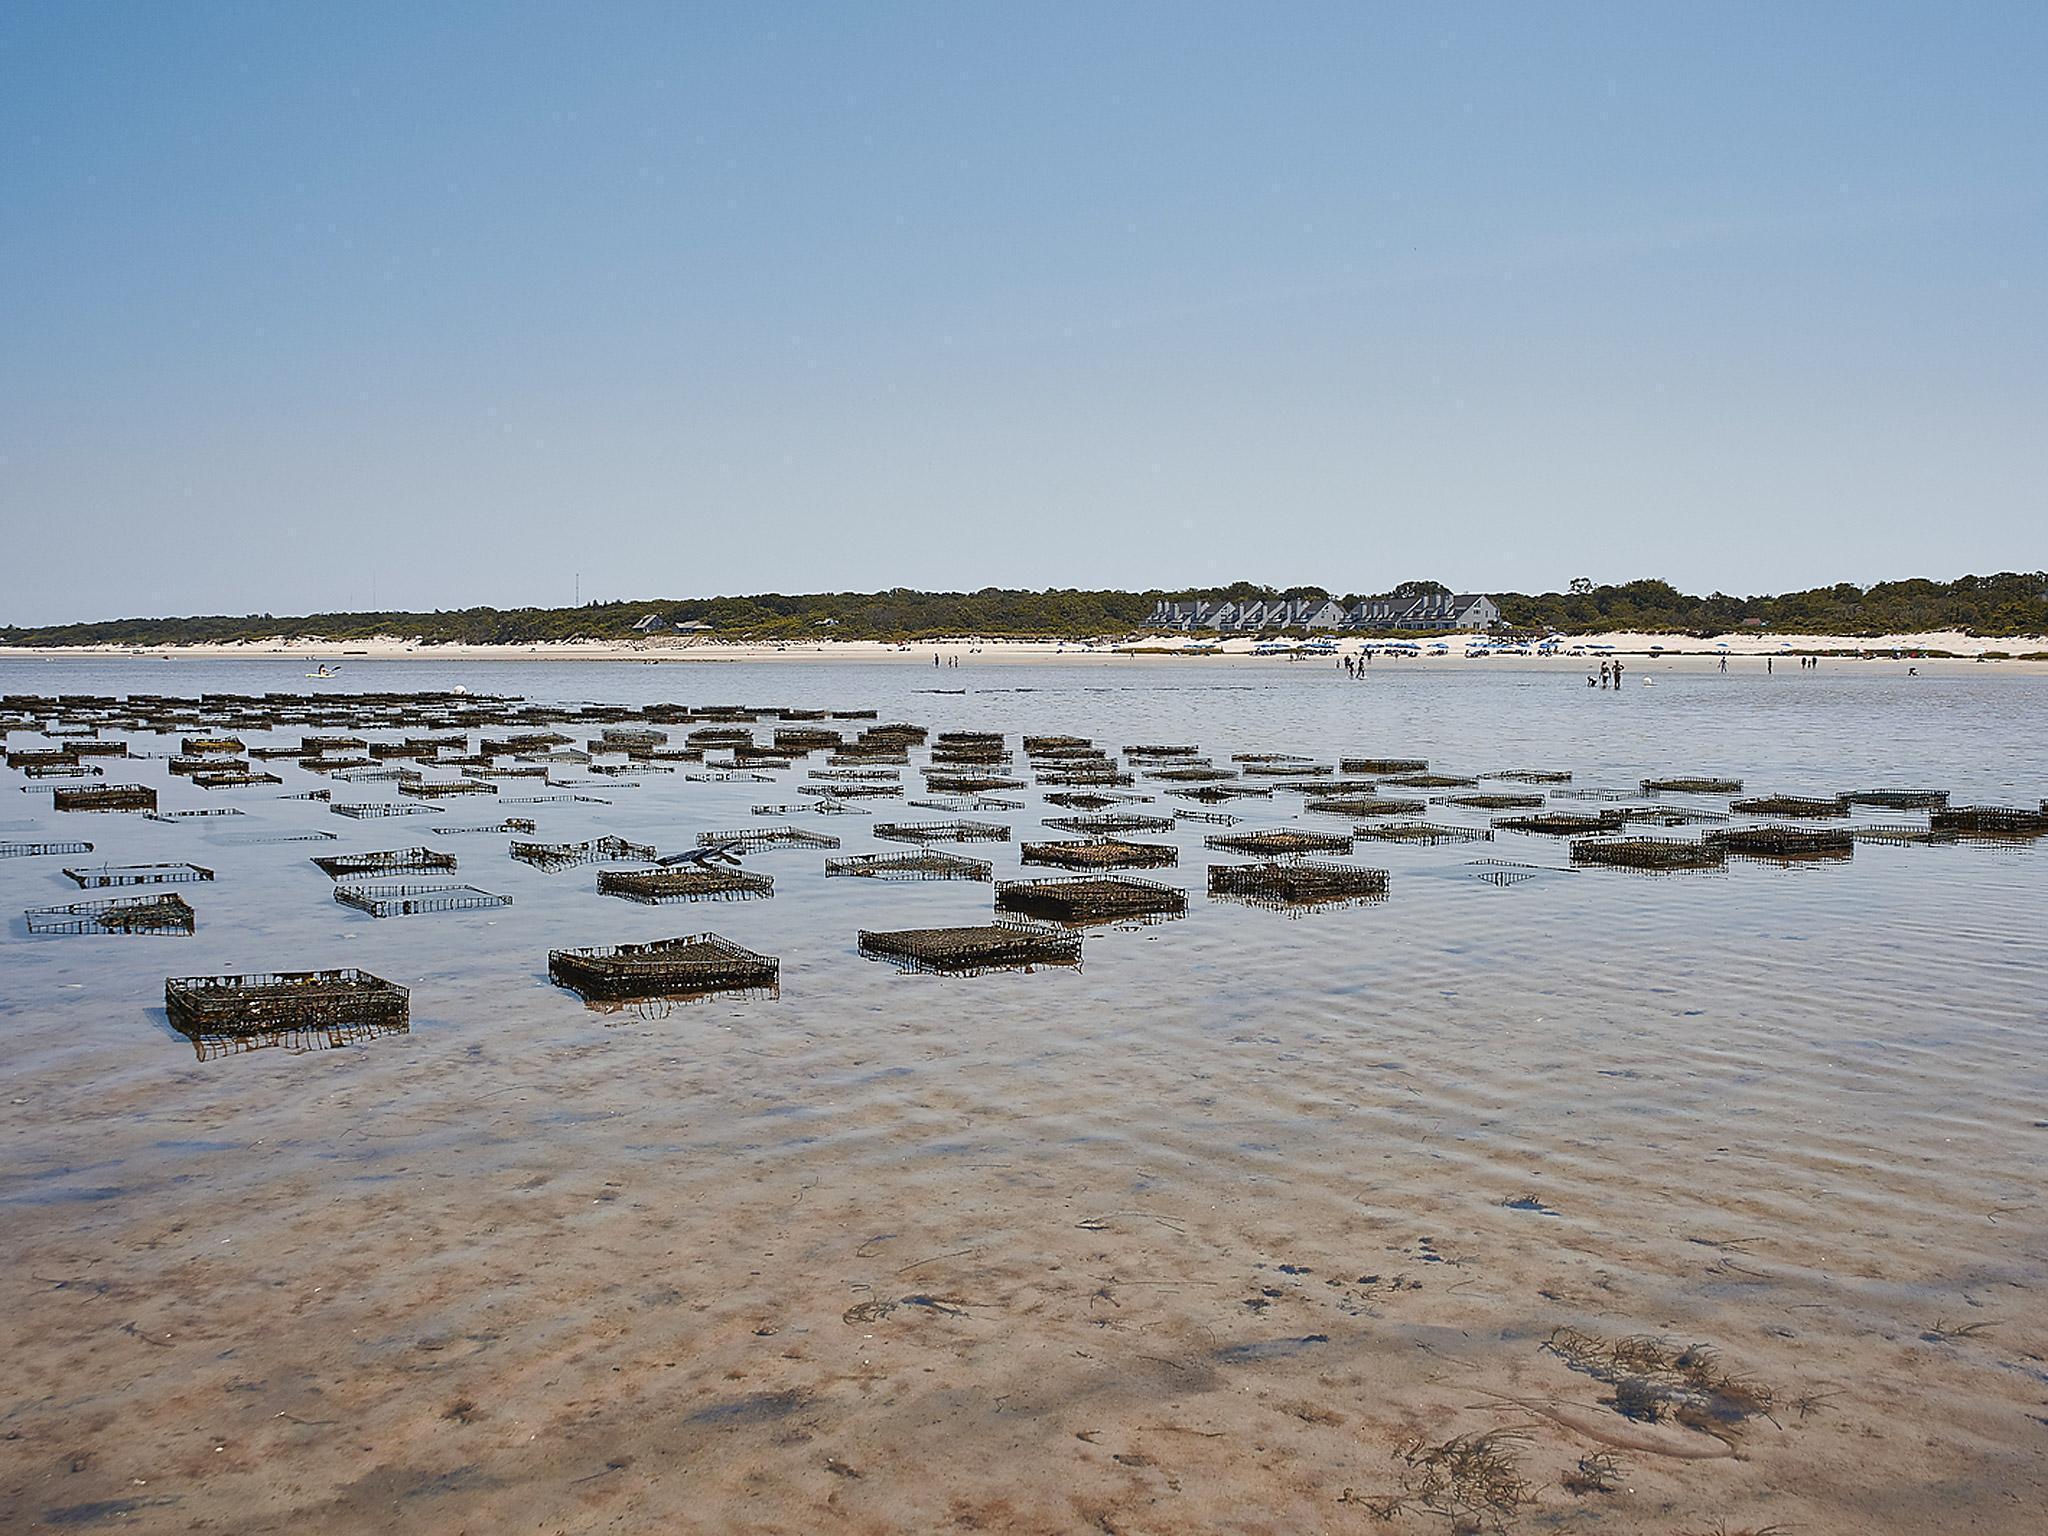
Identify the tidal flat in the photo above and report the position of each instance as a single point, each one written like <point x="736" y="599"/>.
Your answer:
<point x="1531" y="1195"/>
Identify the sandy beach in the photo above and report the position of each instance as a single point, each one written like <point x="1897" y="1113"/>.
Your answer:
<point x="1662" y="649"/>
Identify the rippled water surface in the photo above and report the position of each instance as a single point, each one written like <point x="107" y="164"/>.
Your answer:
<point x="1224" y="1230"/>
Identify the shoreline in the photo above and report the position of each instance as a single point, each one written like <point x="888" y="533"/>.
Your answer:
<point x="1638" y="647"/>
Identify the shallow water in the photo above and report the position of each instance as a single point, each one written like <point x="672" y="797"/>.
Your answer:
<point x="1196" y="1237"/>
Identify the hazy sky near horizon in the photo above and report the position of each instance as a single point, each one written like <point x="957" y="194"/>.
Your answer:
<point x="436" y="304"/>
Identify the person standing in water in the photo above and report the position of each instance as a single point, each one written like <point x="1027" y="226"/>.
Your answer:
<point x="1617" y="674"/>
<point x="1605" y="668"/>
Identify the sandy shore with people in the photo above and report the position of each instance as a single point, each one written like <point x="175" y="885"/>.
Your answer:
<point x="2011" y="650"/>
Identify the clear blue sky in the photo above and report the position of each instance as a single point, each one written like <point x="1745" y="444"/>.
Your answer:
<point x="445" y="304"/>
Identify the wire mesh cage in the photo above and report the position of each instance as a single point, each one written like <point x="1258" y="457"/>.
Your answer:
<point x="1426" y="833"/>
<point x="160" y="913"/>
<point x="1101" y="853"/>
<point x="596" y="850"/>
<point x="925" y="864"/>
<point x="1562" y="823"/>
<point x="1692" y="784"/>
<point x="104" y="797"/>
<point x="942" y="831"/>
<point x="687" y="883"/>
<point x="1785" y="844"/>
<point x="390" y="861"/>
<point x="295" y="1010"/>
<point x="1274" y="841"/>
<point x="1650" y="854"/>
<point x="767" y="837"/>
<point x="137" y="874"/>
<point x="1006" y="944"/>
<point x="695" y="965"/>
<point x="1791" y="805"/>
<point x="1298" y="884"/>
<point x="1990" y="821"/>
<point x="1092" y="898"/>
<point x="409" y="899"/>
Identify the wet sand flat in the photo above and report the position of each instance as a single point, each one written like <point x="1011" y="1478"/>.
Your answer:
<point x="1252" y="1223"/>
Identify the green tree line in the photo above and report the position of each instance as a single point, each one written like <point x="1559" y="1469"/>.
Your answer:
<point x="2010" y="603"/>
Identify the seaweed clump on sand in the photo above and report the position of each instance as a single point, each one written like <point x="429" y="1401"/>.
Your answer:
<point x="1475" y="1481"/>
<point x="1654" y="1381"/>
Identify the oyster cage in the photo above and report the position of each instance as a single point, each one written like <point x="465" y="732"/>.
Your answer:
<point x="1650" y="854"/>
<point x="694" y="883"/>
<point x="1790" y="805"/>
<point x="768" y="837"/>
<point x="1297" y="884"/>
<point x="1005" y="944"/>
<point x="926" y="864"/>
<point x="163" y="913"/>
<point x="1363" y="805"/>
<point x="942" y="831"/>
<point x="598" y="850"/>
<point x="1102" y="853"/>
<point x="1281" y="840"/>
<point x="698" y="964"/>
<point x="1092" y="898"/>
<point x="36" y="850"/>
<point x="104" y="797"/>
<point x="409" y="900"/>
<point x="1786" y="843"/>
<point x="391" y="862"/>
<point x="1990" y="821"/>
<point x="1111" y="821"/>
<point x="1562" y="823"/>
<point x="138" y="874"/>
<point x="1427" y="833"/>
<point x="295" y="1010"/>
<point x="1694" y="785"/>
<point x="1898" y="799"/>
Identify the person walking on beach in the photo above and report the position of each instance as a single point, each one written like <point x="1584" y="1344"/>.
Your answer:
<point x="1767" y="664"/>
<point x="1724" y="663"/>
